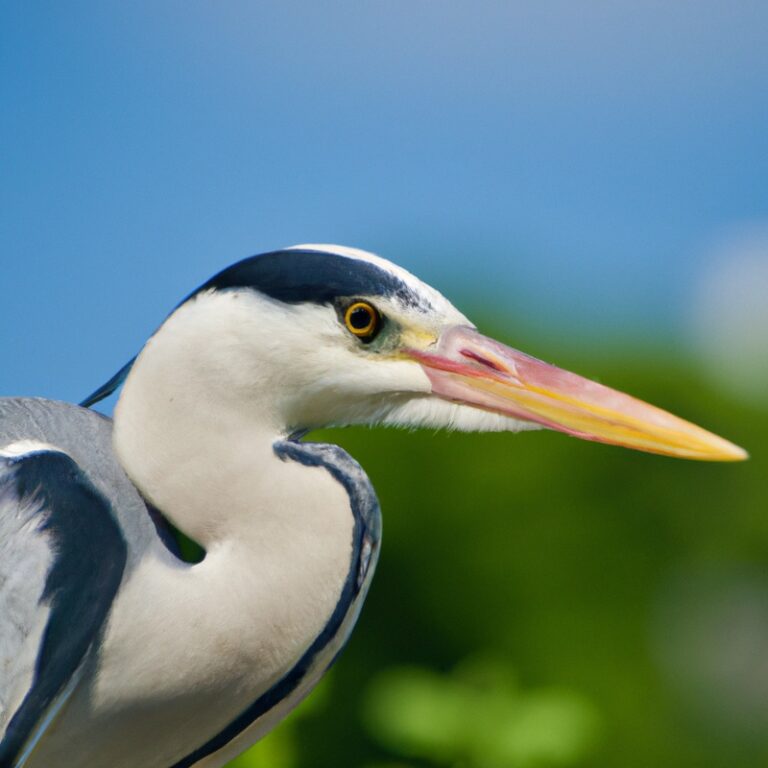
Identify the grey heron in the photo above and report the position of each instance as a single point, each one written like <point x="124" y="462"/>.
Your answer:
<point x="117" y="653"/>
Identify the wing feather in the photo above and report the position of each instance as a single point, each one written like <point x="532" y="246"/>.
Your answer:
<point x="62" y="556"/>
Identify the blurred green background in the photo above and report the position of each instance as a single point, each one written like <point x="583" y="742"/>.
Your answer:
<point x="542" y="601"/>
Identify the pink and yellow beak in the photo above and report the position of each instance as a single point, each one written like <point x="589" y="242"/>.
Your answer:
<point x="469" y="368"/>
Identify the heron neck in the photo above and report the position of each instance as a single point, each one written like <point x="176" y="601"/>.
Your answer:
<point x="202" y="457"/>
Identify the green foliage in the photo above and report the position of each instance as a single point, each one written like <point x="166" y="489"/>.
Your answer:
<point x="478" y="717"/>
<point x="566" y="562"/>
<point x="277" y="751"/>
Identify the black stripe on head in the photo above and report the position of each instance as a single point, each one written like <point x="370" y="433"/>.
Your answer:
<point x="295" y="276"/>
<point x="319" y="277"/>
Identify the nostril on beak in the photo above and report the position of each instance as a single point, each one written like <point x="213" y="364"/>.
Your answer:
<point x="494" y="365"/>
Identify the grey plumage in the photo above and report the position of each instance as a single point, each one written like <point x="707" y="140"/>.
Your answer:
<point x="62" y="556"/>
<point x="86" y="436"/>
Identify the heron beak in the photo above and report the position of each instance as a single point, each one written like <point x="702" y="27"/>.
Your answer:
<point x="469" y="368"/>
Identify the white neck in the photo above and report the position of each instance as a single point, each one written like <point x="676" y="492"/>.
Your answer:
<point x="198" y="443"/>
<point x="278" y="536"/>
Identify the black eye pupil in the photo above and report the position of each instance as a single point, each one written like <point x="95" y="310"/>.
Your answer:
<point x="360" y="318"/>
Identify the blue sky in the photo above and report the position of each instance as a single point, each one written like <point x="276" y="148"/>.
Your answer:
<point x="568" y="163"/>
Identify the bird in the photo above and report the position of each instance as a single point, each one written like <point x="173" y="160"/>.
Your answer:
<point x="116" y="651"/>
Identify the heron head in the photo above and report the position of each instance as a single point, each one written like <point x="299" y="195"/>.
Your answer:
<point x="317" y="336"/>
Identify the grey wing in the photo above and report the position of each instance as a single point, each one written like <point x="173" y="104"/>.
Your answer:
<point x="62" y="556"/>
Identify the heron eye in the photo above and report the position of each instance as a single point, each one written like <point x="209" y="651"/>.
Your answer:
<point x="362" y="320"/>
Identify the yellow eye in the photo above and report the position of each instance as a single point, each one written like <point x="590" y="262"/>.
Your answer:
<point x="362" y="320"/>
